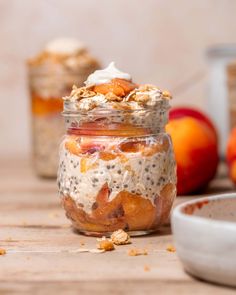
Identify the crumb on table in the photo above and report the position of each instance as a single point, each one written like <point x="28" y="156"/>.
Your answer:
<point x="146" y="268"/>
<point x="105" y="244"/>
<point x="2" y="251"/>
<point x="120" y="237"/>
<point x="170" y="248"/>
<point x="137" y="252"/>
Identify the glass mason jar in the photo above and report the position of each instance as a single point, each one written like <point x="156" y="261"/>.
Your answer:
<point x="117" y="170"/>
<point x="47" y="87"/>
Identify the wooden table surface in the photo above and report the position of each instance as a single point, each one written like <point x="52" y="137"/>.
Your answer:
<point x="40" y="243"/>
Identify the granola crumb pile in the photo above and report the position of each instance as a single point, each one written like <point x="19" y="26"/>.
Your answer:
<point x="146" y="268"/>
<point x="120" y="237"/>
<point x="137" y="252"/>
<point x="170" y="248"/>
<point x="2" y="251"/>
<point x="105" y="244"/>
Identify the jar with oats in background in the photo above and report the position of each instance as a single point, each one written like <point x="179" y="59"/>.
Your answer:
<point x="51" y="74"/>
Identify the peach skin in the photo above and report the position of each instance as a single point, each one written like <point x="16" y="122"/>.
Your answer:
<point x="195" y="147"/>
<point x="231" y="155"/>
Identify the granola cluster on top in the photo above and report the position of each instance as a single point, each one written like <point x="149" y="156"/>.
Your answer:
<point x="119" y="94"/>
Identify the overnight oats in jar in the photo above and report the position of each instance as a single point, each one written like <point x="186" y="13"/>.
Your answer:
<point x="117" y="168"/>
<point x="52" y="73"/>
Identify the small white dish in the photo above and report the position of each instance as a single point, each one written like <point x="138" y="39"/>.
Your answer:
<point x="205" y="237"/>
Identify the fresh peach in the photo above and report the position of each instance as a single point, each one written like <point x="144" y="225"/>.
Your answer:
<point x="195" y="148"/>
<point x="180" y="112"/>
<point x="231" y="155"/>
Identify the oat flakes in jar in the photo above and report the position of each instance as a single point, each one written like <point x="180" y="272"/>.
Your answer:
<point x="52" y="73"/>
<point x="117" y="168"/>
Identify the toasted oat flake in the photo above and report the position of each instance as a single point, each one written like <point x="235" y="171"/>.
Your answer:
<point x="112" y="97"/>
<point x="137" y="252"/>
<point x="2" y="251"/>
<point x="79" y="93"/>
<point x="105" y="244"/>
<point x="166" y="94"/>
<point x="170" y="248"/>
<point x="142" y="98"/>
<point x="120" y="237"/>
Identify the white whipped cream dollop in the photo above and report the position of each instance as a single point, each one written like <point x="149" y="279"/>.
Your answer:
<point x="65" y="46"/>
<point x="106" y="75"/>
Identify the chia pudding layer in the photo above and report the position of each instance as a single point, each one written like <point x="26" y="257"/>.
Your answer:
<point x="132" y="172"/>
<point x="117" y="167"/>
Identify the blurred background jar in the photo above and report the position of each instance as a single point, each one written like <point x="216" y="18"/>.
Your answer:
<point x="51" y="74"/>
<point x="231" y="82"/>
<point x="220" y="101"/>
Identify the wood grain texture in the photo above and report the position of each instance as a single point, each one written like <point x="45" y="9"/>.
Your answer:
<point x="40" y="247"/>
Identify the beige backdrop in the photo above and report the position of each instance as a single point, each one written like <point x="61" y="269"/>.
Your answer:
<point x="157" y="41"/>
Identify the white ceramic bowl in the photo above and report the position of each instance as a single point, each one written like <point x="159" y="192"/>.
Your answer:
<point x="205" y="237"/>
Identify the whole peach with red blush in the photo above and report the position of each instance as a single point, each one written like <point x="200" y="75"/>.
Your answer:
<point x="196" y="148"/>
<point x="231" y="155"/>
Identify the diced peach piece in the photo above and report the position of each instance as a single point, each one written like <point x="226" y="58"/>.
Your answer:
<point x="107" y="156"/>
<point x="83" y="222"/>
<point x="41" y="106"/>
<point x="119" y="87"/>
<point x="72" y="146"/>
<point x="82" y="145"/>
<point x="85" y="166"/>
<point x="139" y="212"/>
<point x="103" y="195"/>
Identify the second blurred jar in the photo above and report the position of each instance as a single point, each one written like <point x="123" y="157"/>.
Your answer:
<point x="52" y="73"/>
